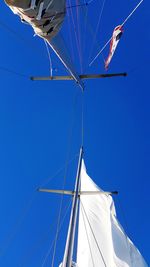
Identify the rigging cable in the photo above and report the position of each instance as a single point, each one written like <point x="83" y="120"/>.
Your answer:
<point x="132" y="12"/>
<point x="86" y="3"/>
<point x="90" y="1"/>
<point x="70" y="34"/>
<point x="139" y="66"/>
<point x="87" y="235"/>
<point x="91" y="31"/>
<point x="60" y="226"/>
<point x="93" y="235"/>
<point x="85" y="14"/>
<point x="76" y="36"/>
<point x="82" y="119"/>
<point x="42" y="240"/>
<point x="17" y="225"/>
<point x="49" y="57"/>
<point x="19" y="37"/>
<point x="64" y="180"/>
<point x="24" y="41"/>
<point x="84" y="30"/>
<point x="14" y="72"/>
<point x="6" y="27"/>
<point x="124" y="218"/>
<point x="79" y="35"/>
<point x="97" y="27"/>
<point x="59" y="171"/>
<point x="111" y="36"/>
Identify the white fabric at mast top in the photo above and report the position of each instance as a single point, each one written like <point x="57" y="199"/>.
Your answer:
<point x="101" y="240"/>
<point x="45" y="16"/>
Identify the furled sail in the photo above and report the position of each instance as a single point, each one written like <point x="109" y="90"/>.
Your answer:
<point x="46" y="18"/>
<point x="101" y="240"/>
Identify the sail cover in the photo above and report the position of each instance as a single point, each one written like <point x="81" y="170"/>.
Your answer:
<point x="101" y="240"/>
<point x="46" y="18"/>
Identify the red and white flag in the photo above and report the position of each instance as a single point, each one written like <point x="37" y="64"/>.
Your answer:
<point x="117" y="33"/>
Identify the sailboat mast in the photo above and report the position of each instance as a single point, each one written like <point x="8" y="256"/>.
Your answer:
<point x="67" y="260"/>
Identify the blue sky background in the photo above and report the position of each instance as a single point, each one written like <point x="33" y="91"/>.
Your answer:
<point x="40" y="130"/>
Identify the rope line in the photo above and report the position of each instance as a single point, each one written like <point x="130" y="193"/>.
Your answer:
<point x="100" y="51"/>
<point x="57" y="172"/>
<point x="20" y="37"/>
<point x="97" y="27"/>
<point x="65" y="176"/>
<point x="70" y="34"/>
<point x="49" y="57"/>
<point x="90" y="29"/>
<point x="81" y="4"/>
<point x="79" y="36"/>
<point x="85" y="17"/>
<point x="24" y="41"/>
<point x="60" y="226"/>
<point x="87" y="235"/>
<point x="84" y="31"/>
<point x="139" y="66"/>
<point x="132" y="12"/>
<point x="76" y="35"/>
<point x="111" y="36"/>
<point x="94" y="235"/>
<point x="82" y="120"/>
<point x="17" y="225"/>
<point x="26" y="257"/>
<point x="14" y="72"/>
<point x="5" y="26"/>
<point x="42" y="240"/>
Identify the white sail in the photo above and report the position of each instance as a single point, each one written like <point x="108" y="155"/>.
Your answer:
<point x="101" y="240"/>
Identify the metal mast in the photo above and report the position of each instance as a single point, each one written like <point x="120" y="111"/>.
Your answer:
<point x="67" y="260"/>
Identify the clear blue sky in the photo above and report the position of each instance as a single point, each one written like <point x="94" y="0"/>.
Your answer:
<point x="41" y="130"/>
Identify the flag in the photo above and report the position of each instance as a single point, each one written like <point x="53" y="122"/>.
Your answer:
<point x="117" y="33"/>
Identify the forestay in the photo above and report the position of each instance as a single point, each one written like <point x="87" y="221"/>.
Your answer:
<point x="101" y="240"/>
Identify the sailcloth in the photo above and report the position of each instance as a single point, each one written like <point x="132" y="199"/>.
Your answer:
<point x="101" y="240"/>
<point x="46" y="18"/>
